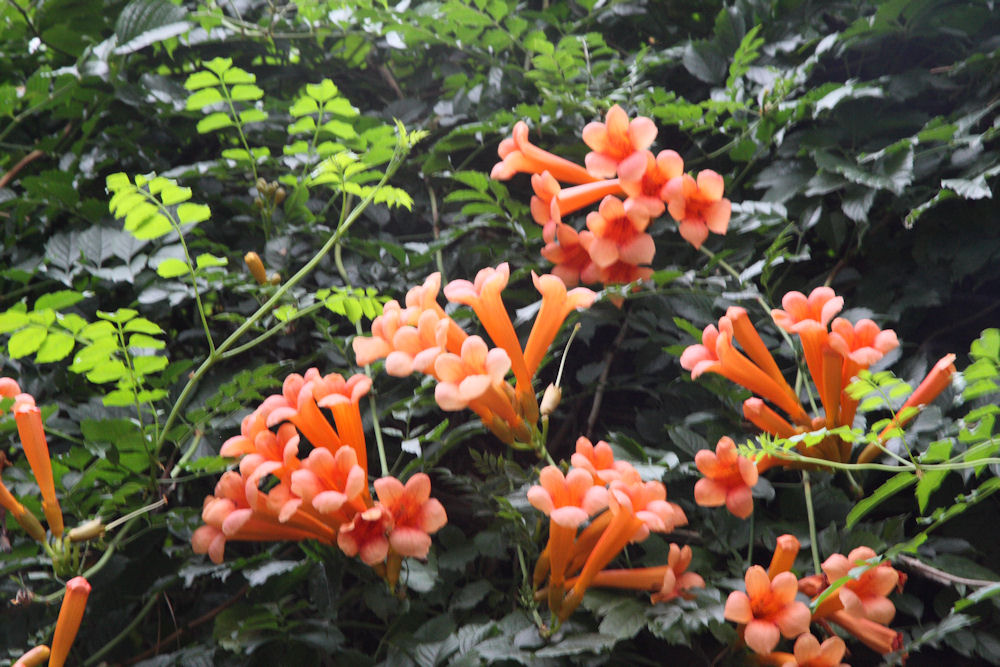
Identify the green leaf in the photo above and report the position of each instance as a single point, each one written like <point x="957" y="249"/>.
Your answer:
<point x="891" y="487"/>
<point x="147" y="364"/>
<point x="172" y="194"/>
<point x="142" y="325"/>
<point x="930" y="480"/>
<point x="214" y="121"/>
<point x="26" y="341"/>
<point x="200" y="80"/>
<point x="206" y="260"/>
<point x="248" y="116"/>
<point x="12" y="320"/>
<point x="219" y="65"/>
<point x="58" y="300"/>
<point x="189" y="214"/>
<point x="145" y="341"/>
<point x="56" y="347"/>
<point x="984" y="593"/>
<point x="244" y="92"/>
<point x="145" y="22"/>
<point x="172" y="267"/>
<point x="203" y="98"/>
<point x="110" y="370"/>
<point x="120" y="316"/>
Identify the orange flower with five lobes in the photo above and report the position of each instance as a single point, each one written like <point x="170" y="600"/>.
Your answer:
<point x="599" y="461"/>
<point x="617" y="143"/>
<point x="644" y="183"/>
<point x="866" y="595"/>
<point x="565" y="250"/>
<point x="768" y="609"/>
<point x="70" y="616"/>
<point x="330" y="482"/>
<point x="616" y="238"/>
<point x="698" y="205"/>
<point x="808" y="652"/>
<point x="728" y="479"/>
<point x="861" y="345"/>
<point x="415" y="515"/>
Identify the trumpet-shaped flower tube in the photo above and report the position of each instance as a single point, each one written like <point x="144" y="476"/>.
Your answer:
<point x="21" y="514"/>
<point x="68" y="623"/>
<point x="786" y="548"/>
<point x="342" y="397"/>
<point x="557" y="304"/>
<point x="617" y="142"/>
<point x="34" y="657"/>
<point x="518" y="155"/>
<point x="36" y="449"/>
<point x="861" y="344"/>
<point x="874" y="635"/>
<point x="809" y="317"/>
<point x="768" y="609"/>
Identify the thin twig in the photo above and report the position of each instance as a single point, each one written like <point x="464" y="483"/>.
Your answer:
<point x="602" y="382"/>
<point x="926" y="571"/>
<point x="21" y="164"/>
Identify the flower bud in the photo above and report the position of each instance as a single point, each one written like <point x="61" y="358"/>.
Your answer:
<point x="87" y="531"/>
<point x="256" y="267"/>
<point x="34" y="657"/>
<point x="550" y="399"/>
<point x="68" y="623"/>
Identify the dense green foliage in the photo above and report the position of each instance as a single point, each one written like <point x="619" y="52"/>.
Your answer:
<point x="146" y="146"/>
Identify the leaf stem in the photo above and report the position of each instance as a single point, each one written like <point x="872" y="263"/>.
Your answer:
<point x="811" y="516"/>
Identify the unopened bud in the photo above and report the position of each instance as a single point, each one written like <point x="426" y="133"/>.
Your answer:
<point x="279" y="195"/>
<point x="527" y="405"/>
<point x="550" y="399"/>
<point x="275" y="279"/>
<point x="34" y="657"/>
<point x="256" y="267"/>
<point x="87" y="531"/>
<point x="261" y="185"/>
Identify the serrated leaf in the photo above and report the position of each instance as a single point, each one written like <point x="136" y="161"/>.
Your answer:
<point x="214" y="121"/>
<point x="55" y="347"/>
<point x="189" y="214"/>
<point x="145" y="22"/>
<point x="26" y="341"/>
<point x="58" y="300"/>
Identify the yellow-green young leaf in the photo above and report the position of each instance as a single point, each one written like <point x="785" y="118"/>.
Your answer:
<point x="44" y="317"/>
<point x="303" y="125"/>
<point x="353" y="309"/>
<point x="72" y="322"/>
<point x="206" y="260"/>
<point x="219" y="65"/>
<point x="214" y="121"/>
<point x="303" y="106"/>
<point x="285" y="313"/>
<point x="252" y="116"/>
<point x="322" y="91"/>
<point x="26" y="341"/>
<point x="244" y="92"/>
<point x="96" y="331"/>
<point x="145" y="342"/>
<point x="172" y="267"/>
<point x="119" y="398"/>
<point x="236" y="75"/>
<point x="93" y="354"/>
<point x="341" y="107"/>
<point x="115" y="182"/>
<point x="120" y="316"/>
<point x="296" y="147"/>
<point x="189" y="214"/>
<point x="339" y="128"/>
<point x="139" y="214"/>
<point x="58" y="300"/>
<point x="124" y="201"/>
<point x="201" y="80"/>
<point x="12" y="320"/>
<point x="173" y="194"/>
<point x="110" y="370"/>
<point x="146" y="364"/>
<point x="142" y="325"/>
<point x="153" y="228"/>
<point x="237" y="154"/>
<point x="56" y="346"/>
<point x="203" y="98"/>
<point x="150" y="395"/>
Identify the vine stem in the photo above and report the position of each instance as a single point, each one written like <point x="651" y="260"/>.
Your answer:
<point x="813" y="547"/>
<point x="126" y="631"/>
<point x="306" y="269"/>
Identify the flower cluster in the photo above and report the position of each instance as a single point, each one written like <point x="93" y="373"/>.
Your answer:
<point x="421" y="337"/>
<point x="768" y="610"/>
<point x="633" y="187"/>
<point x="594" y="511"/>
<point x="323" y="495"/>
<point x="835" y="350"/>
<point x="36" y="450"/>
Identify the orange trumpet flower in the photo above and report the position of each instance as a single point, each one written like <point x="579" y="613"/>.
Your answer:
<point x="36" y="449"/>
<point x="68" y="623"/>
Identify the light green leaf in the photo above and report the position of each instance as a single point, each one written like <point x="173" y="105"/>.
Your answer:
<point x="58" y="300"/>
<point x="190" y="214"/>
<point x="201" y="80"/>
<point x="244" y="92"/>
<point x="214" y="121"/>
<point x="173" y="194"/>
<point x="56" y="346"/>
<point x="12" y="320"/>
<point x="205" y="260"/>
<point x="143" y="341"/>
<point x="110" y="370"/>
<point x="147" y="364"/>
<point x="172" y="267"/>
<point x="219" y="65"/>
<point x="203" y="98"/>
<point x="142" y="325"/>
<point x="120" y="316"/>
<point x="235" y="75"/>
<point x="26" y="341"/>
<point x="252" y="116"/>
